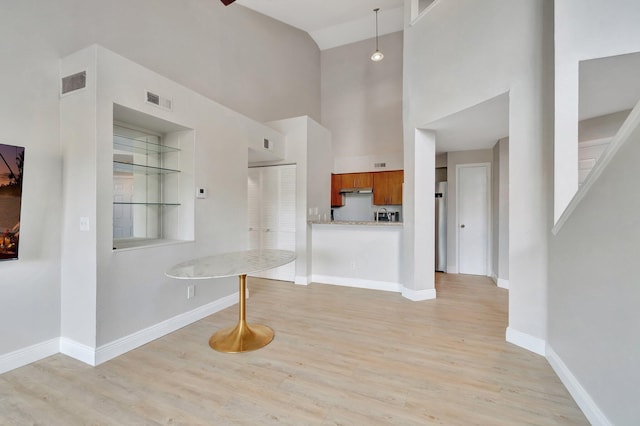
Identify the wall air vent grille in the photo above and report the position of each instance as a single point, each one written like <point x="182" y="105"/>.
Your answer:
<point x="159" y="101"/>
<point x="380" y="165"/>
<point x="74" y="82"/>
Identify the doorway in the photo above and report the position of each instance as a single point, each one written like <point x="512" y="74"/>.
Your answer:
<point x="473" y="217"/>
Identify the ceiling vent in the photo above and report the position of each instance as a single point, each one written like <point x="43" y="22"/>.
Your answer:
<point x="74" y="82"/>
<point x="159" y="101"/>
<point x="379" y="165"/>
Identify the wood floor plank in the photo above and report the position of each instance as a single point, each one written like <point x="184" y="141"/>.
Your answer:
<point x="341" y="356"/>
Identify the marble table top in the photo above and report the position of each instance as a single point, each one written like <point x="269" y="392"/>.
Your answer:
<point x="231" y="264"/>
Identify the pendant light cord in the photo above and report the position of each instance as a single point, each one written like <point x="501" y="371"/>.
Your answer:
<point x="376" y="10"/>
<point x="377" y="55"/>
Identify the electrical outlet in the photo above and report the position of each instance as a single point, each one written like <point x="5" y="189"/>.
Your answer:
<point x="84" y="224"/>
<point x="191" y="291"/>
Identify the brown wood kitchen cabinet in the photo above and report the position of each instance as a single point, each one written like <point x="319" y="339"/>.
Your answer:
<point x="356" y="180"/>
<point x="348" y="181"/>
<point x="336" y="196"/>
<point x="387" y="188"/>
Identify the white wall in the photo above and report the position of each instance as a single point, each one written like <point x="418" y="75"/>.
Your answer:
<point x="201" y="44"/>
<point x="30" y="286"/>
<point x="605" y="126"/>
<point x="108" y="295"/>
<point x="584" y="29"/>
<point x="79" y="178"/>
<point x="362" y="104"/>
<point x="365" y="256"/>
<point x="308" y="145"/>
<point x="457" y="55"/>
<point x="419" y="230"/>
<point x="594" y="293"/>
<point x="500" y="213"/>
<point x="319" y="143"/>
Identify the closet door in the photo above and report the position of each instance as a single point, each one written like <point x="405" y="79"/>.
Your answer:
<point x="272" y="208"/>
<point x="255" y="230"/>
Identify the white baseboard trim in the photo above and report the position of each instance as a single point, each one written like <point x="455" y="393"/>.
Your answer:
<point x="499" y="281"/>
<point x="118" y="347"/>
<point x="301" y="280"/>
<point x="526" y="341"/>
<point x="125" y="344"/>
<point x="24" y="356"/>
<point x="78" y="351"/>
<point x="579" y="394"/>
<point x="358" y="283"/>
<point x="419" y="295"/>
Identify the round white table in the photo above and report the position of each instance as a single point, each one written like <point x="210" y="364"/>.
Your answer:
<point x="243" y="337"/>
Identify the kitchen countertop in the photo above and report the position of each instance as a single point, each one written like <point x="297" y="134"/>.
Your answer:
<point x="354" y="222"/>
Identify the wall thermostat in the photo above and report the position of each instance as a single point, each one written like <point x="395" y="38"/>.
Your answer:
<point x="201" y="193"/>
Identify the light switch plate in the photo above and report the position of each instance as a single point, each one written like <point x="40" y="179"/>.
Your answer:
<point x="201" y="193"/>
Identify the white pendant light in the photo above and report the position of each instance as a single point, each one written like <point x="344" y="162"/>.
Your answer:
<point x="377" y="55"/>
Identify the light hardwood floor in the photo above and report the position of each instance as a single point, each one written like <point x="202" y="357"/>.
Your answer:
<point x="341" y="356"/>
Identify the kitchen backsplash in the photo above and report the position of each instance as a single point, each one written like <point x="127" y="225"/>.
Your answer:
<point x="359" y="207"/>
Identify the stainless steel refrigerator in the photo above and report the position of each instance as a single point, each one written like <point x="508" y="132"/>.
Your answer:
<point x="441" y="226"/>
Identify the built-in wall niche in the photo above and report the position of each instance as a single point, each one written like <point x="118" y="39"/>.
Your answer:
<point x="151" y="195"/>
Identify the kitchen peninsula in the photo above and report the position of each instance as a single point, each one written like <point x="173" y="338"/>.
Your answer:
<point x="357" y="254"/>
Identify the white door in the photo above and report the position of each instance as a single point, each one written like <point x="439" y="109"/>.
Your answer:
<point x="272" y="209"/>
<point x="473" y="218"/>
<point x="255" y="227"/>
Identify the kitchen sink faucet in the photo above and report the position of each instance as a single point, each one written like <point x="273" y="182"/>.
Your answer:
<point x="378" y="213"/>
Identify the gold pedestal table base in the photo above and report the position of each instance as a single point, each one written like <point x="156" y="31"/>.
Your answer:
<point x="243" y="337"/>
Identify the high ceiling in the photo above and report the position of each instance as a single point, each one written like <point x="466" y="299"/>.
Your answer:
<point x="606" y="85"/>
<point x="333" y="23"/>
<point x="609" y="85"/>
<point x="477" y="127"/>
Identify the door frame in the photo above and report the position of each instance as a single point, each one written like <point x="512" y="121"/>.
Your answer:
<point x="489" y="214"/>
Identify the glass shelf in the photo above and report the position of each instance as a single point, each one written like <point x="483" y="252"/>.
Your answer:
<point x="146" y="188"/>
<point x="121" y="167"/>
<point x="123" y="143"/>
<point x="135" y="203"/>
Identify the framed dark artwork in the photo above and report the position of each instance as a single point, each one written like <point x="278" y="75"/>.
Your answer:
<point x="11" y="172"/>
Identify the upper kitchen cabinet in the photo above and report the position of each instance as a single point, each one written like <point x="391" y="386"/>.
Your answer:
<point x="356" y="180"/>
<point x="336" y="196"/>
<point x="387" y="188"/>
